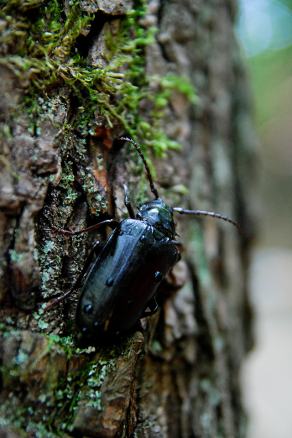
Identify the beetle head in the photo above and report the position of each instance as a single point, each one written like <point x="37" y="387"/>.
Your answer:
<point x="158" y="214"/>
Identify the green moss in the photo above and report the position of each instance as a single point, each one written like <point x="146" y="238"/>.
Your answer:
<point x="114" y="92"/>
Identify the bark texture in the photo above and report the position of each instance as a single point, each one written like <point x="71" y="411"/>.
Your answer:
<point x="176" y="375"/>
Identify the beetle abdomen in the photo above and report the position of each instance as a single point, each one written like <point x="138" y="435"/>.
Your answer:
<point x="124" y="278"/>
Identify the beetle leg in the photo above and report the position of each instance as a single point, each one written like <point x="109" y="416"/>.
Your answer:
<point x="128" y="203"/>
<point x="87" y="267"/>
<point x="151" y="308"/>
<point x="54" y="301"/>
<point x="109" y="222"/>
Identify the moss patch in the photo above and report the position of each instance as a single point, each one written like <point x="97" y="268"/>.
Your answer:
<point x="43" y="39"/>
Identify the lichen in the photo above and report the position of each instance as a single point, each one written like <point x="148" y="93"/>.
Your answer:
<point x="57" y="393"/>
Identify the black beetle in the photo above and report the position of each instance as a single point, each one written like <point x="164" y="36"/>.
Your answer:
<point x="120" y="285"/>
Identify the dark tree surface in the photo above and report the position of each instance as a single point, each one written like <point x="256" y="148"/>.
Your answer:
<point x="75" y="75"/>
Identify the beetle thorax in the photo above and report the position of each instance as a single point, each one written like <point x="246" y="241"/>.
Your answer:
<point x="159" y="215"/>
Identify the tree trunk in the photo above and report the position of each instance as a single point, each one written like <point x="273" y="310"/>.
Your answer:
<point x="76" y="75"/>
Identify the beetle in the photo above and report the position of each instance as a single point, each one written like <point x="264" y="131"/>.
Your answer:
<point x="120" y="285"/>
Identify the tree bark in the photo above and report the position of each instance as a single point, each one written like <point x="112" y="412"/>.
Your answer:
<point x="75" y="77"/>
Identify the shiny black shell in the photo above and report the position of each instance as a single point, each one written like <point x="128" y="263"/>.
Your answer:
<point x="123" y="278"/>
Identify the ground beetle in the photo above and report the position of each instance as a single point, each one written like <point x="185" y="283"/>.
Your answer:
<point x="119" y="286"/>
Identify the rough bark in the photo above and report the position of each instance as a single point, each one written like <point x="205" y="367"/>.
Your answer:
<point x="177" y="374"/>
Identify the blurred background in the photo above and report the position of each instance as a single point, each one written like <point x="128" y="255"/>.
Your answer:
<point x="265" y="32"/>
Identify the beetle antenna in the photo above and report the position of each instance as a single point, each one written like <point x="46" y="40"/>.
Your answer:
<point x="148" y="173"/>
<point x="206" y="213"/>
